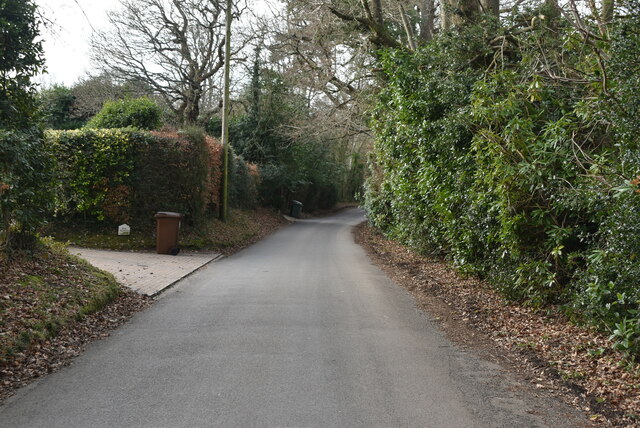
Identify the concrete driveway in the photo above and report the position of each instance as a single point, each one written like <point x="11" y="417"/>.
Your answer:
<point x="146" y="273"/>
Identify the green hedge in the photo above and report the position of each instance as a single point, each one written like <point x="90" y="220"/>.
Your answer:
<point x="528" y="181"/>
<point x="91" y="166"/>
<point x="140" y="113"/>
<point x="243" y="180"/>
<point x="26" y="178"/>
<point x="308" y="173"/>
<point x="126" y="175"/>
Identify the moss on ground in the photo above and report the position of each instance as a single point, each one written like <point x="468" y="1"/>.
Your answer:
<point x="105" y="237"/>
<point x="41" y="292"/>
<point x="241" y="228"/>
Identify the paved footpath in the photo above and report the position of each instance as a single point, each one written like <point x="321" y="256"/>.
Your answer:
<point x="298" y="330"/>
<point x="145" y="273"/>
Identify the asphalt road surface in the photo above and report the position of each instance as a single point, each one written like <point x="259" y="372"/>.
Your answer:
<point x="300" y="330"/>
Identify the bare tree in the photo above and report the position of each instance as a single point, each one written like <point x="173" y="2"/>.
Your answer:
<point x="175" y="47"/>
<point x="326" y="61"/>
<point x="92" y="91"/>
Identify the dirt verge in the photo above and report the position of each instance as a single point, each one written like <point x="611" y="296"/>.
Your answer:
<point x="544" y="347"/>
<point x="51" y="355"/>
<point x="262" y="223"/>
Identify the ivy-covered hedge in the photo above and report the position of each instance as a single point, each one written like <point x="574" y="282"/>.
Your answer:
<point x="91" y="165"/>
<point x="127" y="175"/>
<point x="527" y="180"/>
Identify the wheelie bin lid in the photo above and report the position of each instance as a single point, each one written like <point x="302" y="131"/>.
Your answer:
<point x="167" y="214"/>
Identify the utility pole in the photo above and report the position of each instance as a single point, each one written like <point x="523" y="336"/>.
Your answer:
<point x="224" y="210"/>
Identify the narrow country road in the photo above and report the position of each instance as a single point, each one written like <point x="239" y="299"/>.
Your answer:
<point x="299" y="330"/>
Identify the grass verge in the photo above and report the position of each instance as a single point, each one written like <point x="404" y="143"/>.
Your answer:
<point x="242" y="229"/>
<point x="42" y="292"/>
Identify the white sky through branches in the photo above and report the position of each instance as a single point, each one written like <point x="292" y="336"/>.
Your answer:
<point x="67" y="33"/>
<point x="66" y="36"/>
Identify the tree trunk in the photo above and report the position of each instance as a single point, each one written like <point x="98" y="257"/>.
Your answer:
<point x="376" y="11"/>
<point x="407" y="28"/>
<point x="458" y="12"/>
<point x="428" y="16"/>
<point x="607" y="11"/>
<point x="490" y="7"/>
<point x="445" y="15"/>
<point x="191" y="111"/>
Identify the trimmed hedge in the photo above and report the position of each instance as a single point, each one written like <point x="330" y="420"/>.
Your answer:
<point x="141" y="113"/>
<point x="127" y="175"/>
<point x="91" y="165"/>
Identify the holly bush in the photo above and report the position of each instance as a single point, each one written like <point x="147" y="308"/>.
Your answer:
<point x="516" y="157"/>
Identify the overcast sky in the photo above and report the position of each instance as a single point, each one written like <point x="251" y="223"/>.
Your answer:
<point x="66" y="38"/>
<point x="66" y="41"/>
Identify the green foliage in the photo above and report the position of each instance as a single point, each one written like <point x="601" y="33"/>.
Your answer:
<point x="291" y="166"/>
<point x="623" y="102"/>
<point x="127" y="175"/>
<point x="315" y="176"/>
<point x="140" y="113"/>
<point x="20" y="60"/>
<point x="309" y="176"/>
<point x="92" y="164"/>
<point x="24" y="166"/>
<point x="92" y="92"/>
<point x="259" y="135"/>
<point x="25" y="180"/>
<point x="423" y="137"/>
<point x="516" y="175"/>
<point x="58" y="110"/>
<point x="243" y="183"/>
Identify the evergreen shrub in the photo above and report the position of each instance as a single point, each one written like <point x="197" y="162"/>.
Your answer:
<point x="127" y="175"/>
<point x="140" y="113"/>
<point x="530" y="181"/>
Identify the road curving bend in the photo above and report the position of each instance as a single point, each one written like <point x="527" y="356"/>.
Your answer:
<point x="299" y="330"/>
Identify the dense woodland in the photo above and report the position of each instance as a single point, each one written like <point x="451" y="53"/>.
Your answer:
<point x="500" y="136"/>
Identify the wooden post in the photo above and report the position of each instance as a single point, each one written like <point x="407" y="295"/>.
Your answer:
<point x="225" y="117"/>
